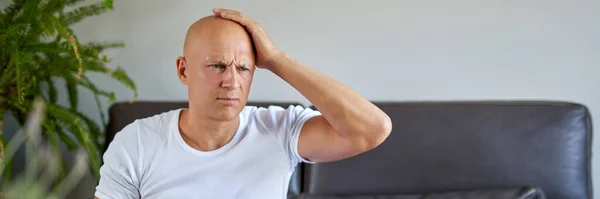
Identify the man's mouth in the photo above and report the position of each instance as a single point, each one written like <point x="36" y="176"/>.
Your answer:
<point x="228" y="100"/>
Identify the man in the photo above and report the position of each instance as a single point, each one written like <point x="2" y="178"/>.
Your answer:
<point x="221" y="148"/>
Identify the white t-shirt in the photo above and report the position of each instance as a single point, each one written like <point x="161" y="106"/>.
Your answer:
<point x="149" y="159"/>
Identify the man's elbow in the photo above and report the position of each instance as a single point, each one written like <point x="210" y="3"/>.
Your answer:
<point x="382" y="131"/>
<point x="376" y="135"/>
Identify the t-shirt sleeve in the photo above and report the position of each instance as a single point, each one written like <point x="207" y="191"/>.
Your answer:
<point x="119" y="173"/>
<point x="286" y="124"/>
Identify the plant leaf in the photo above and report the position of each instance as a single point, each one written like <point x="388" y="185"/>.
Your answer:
<point x="13" y="9"/>
<point x="92" y="150"/>
<point x="108" y="4"/>
<point x="87" y="83"/>
<point x="53" y="130"/>
<point x="52" y="92"/>
<point x="72" y="2"/>
<point x="72" y="91"/>
<point x="83" y="12"/>
<point x="101" y="110"/>
<point x="120" y="75"/>
<point x="72" y="121"/>
<point x="52" y="6"/>
<point x="17" y="63"/>
<point x="92" y="127"/>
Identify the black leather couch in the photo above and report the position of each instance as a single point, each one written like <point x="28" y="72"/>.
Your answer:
<point x="467" y="149"/>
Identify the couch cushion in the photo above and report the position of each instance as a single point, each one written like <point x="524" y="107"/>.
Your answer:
<point x="445" y="146"/>
<point x="510" y="193"/>
<point x="123" y="113"/>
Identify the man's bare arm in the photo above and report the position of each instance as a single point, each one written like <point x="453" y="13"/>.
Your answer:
<point x="349" y="124"/>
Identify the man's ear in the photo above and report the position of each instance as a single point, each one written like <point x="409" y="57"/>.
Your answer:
<point x="182" y="69"/>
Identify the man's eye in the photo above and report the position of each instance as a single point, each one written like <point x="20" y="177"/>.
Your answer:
<point x="217" y="65"/>
<point x="244" y="68"/>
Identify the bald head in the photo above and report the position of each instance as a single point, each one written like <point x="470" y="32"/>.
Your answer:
<point x="214" y="31"/>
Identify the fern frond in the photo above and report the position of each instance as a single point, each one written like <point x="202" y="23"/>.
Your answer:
<point x="52" y="129"/>
<point x="92" y="50"/>
<point x="3" y="22"/>
<point x="120" y="75"/>
<point x="52" y="92"/>
<point x="108" y="4"/>
<point x="92" y="150"/>
<point x="72" y="2"/>
<point x="13" y="9"/>
<point x="52" y="136"/>
<point x="34" y="15"/>
<point x="73" y="99"/>
<point x="92" y="127"/>
<point x="73" y="42"/>
<point x="49" y="24"/>
<point x="104" y="45"/>
<point x="16" y="60"/>
<point x="16" y="106"/>
<point x="87" y="83"/>
<point x="30" y="16"/>
<point x="64" y="118"/>
<point x="83" y="12"/>
<point x="45" y="48"/>
<point x="71" y="121"/>
<point x="67" y="33"/>
<point x="73" y="93"/>
<point x="7" y="77"/>
<point x="53" y="6"/>
<point x="22" y="61"/>
<point x="102" y="116"/>
<point x="13" y="33"/>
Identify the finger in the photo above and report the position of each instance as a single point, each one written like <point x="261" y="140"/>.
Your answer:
<point x="221" y="11"/>
<point x="251" y="25"/>
<point x="233" y="15"/>
<point x="225" y="10"/>
<point x="236" y="16"/>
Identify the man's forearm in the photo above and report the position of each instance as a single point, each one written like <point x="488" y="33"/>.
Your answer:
<point x="348" y="113"/>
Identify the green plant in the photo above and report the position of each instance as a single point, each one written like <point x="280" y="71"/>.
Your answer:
<point x="38" y="52"/>
<point x="40" y="179"/>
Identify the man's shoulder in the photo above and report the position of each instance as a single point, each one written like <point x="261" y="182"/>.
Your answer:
<point x="154" y="127"/>
<point x="261" y="113"/>
<point x="249" y="109"/>
<point x="160" y="121"/>
<point x="275" y="115"/>
<point x="276" y="110"/>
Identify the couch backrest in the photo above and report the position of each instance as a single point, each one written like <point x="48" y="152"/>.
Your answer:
<point x="123" y="113"/>
<point x="450" y="146"/>
<point x="447" y="146"/>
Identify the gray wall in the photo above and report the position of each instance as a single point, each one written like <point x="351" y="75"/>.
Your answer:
<point x="385" y="50"/>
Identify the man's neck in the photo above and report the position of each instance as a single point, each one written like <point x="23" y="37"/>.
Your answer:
<point x="205" y="134"/>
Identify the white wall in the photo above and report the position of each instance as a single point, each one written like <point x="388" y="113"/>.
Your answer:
<point x="385" y="50"/>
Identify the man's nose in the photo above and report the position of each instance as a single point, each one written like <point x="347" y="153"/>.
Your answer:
<point x="231" y="78"/>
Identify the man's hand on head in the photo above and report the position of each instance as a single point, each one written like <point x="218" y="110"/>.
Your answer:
<point x="349" y="124"/>
<point x="267" y="52"/>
